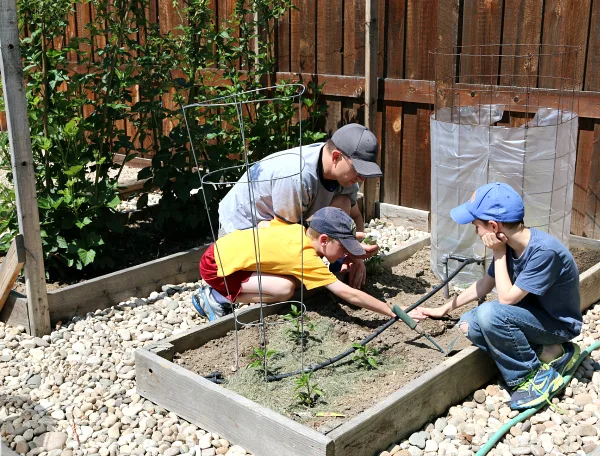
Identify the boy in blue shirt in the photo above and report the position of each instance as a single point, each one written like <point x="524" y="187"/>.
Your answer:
<point x="527" y="330"/>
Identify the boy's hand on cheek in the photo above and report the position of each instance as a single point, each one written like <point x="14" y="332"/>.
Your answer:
<point x="496" y="242"/>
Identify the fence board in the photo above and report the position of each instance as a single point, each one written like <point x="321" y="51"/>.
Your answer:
<point x="421" y="28"/>
<point x="282" y="43"/>
<point x="416" y="158"/>
<point x="585" y="146"/>
<point x="565" y="23"/>
<point x="392" y="161"/>
<point x="522" y="25"/>
<point x="330" y="41"/>
<point x="482" y="20"/>
<point x="304" y="26"/>
<point x="592" y="202"/>
<point x="394" y="39"/>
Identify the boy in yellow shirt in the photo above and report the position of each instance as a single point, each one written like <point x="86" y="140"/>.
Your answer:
<point x="287" y="254"/>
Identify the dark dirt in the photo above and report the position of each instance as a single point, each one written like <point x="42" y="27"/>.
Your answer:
<point x="347" y="389"/>
<point x="585" y="258"/>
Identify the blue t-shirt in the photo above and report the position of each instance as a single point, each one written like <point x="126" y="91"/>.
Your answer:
<point x="547" y="270"/>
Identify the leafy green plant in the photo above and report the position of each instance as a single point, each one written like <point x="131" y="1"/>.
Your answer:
<point x="307" y="392"/>
<point x="124" y="96"/>
<point x="295" y="332"/>
<point x="365" y="357"/>
<point x="258" y="358"/>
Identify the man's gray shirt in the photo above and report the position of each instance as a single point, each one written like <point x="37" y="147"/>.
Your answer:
<point x="276" y="190"/>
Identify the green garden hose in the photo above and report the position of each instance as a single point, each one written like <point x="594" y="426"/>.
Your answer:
<point x="494" y="439"/>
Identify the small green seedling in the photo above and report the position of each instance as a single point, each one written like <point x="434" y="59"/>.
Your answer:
<point x="258" y="357"/>
<point x="365" y="357"/>
<point x="295" y="333"/>
<point x="307" y="392"/>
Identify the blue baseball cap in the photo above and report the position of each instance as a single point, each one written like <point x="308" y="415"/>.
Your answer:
<point x="336" y="224"/>
<point x="496" y="201"/>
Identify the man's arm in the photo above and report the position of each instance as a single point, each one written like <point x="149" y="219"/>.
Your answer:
<point x="357" y="217"/>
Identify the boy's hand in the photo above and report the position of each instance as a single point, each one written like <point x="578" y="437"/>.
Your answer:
<point x="496" y="242"/>
<point x="422" y="313"/>
<point x="357" y="273"/>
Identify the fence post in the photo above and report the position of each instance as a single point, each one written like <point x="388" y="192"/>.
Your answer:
<point x="372" y="186"/>
<point x="22" y="167"/>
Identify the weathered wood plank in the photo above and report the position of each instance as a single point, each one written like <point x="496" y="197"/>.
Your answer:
<point x="110" y="289"/>
<point x="589" y="286"/>
<point x="371" y="187"/>
<point x="397" y="255"/>
<point x="592" y="199"/>
<point x="15" y="312"/>
<point x="404" y="216"/>
<point x="11" y="67"/>
<point x="256" y="428"/>
<point x="592" y="68"/>
<point x="354" y="37"/>
<point x="584" y="242"/>
<point x="304" y="23"/>
<point x="482" y="20"/>
<point x="421" y="28"/>
<point x="397" y="416"/>
<point x="583" y="166"/>
<point x="11" y="267"/>
<point x="521" y="36"/>
<point x="392" y="150"/>
<point x="564" y="23"/>
<point x="394" y="21"/>
<point x="283" y="42"/>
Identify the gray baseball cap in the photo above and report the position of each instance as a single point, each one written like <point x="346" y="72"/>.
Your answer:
<point x="336" y="224"/>
<point x="360" y="144"/>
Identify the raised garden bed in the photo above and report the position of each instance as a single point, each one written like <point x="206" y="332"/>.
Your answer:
<point x="162" y="377"/>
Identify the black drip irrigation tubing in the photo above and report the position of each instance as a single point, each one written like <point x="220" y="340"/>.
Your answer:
<point x="464" y="262"/>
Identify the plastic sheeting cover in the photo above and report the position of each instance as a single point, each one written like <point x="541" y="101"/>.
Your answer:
<point x="467" y="151"/>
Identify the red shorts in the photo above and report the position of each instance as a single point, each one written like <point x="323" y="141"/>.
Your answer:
<point x="208" y="271"/>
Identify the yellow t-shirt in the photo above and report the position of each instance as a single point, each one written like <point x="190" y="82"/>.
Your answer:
<point x="280" y="253"/>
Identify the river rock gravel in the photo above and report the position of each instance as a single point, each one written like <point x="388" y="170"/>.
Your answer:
<point x="73" y="392"/>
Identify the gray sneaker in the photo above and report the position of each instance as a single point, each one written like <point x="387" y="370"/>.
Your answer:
<point x="207" y="306"/>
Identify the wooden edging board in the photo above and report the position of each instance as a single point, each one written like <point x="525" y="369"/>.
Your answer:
<point x="111" y="289"/>
<point x="402" y="253"/>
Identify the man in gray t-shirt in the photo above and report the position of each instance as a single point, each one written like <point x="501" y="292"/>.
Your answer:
<point x="293" y="184"/>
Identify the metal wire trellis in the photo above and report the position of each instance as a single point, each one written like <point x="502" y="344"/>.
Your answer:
<point x="237" y="101"/>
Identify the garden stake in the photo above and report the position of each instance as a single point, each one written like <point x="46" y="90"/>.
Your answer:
<point x="412" y="324"/>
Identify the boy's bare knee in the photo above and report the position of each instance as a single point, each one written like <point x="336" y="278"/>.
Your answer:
<point x="464" y="327"/>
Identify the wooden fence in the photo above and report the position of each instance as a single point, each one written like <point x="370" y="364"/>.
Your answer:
<point x="324" y="41"/>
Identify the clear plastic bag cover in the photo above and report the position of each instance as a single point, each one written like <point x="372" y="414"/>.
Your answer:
<point x="467" y="151"/>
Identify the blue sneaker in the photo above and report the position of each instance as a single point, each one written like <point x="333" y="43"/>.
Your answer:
<point x="537" y="388"/>
<point x="565" y="363"/>
<point x="207" y="306"/>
